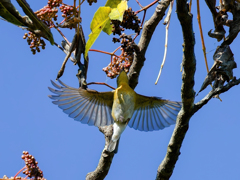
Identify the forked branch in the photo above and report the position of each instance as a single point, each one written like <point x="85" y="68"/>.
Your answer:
<point x="165" y="169"/>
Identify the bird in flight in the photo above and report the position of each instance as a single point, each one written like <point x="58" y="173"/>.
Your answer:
<point x="120" y="107"/>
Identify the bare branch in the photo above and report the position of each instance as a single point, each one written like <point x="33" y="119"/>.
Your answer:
<point x="106" y="158"/>
<point x="165" y="169"/>
<point x="214" y="92"/>
<point x="167" y="23"/>
<point x="148" y="30"/>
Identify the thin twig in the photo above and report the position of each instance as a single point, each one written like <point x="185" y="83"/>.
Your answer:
<point x="104" y="52"/>
<point x="202" y="39"/>
<point x="82" y="2"/>
<point x="74" y="7"/>
<point x="64" y="37"/>
<point x="144" y="15"/>
<point x="116" y="50"/>
<point x="146" y="7"/>
<point x="190" y="5"/>
<point x="79" y="12"/>
<point x="71" y="58"/>
<point x="146" y="36"/>
<point x="215" y="92"/>
<point x="201" y="34"/>
<point x="19" y="172"/>
<point x="99" y="83"/>
<point x="166" y="21"/>
<point x="139" y="4"/>
<point x="71" y="49"/>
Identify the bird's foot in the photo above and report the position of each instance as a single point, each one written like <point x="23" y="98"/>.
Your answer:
<point x="127" y="120"/>
<point x="121" y="119"/>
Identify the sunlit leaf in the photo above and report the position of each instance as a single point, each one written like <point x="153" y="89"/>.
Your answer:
<point x="108" y="27"/>
<point x="117" y="13"/>
<point x="99" y="21"/>
<point x="112" y="3"/>
<point x="39" y="26"/>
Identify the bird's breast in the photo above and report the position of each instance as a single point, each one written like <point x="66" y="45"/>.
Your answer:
<point x="123" y="104"/>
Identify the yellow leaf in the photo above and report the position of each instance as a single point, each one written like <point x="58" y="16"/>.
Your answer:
<point x="117" y="13"/>
<point x="112" y="3"/>
<point x="99" y="21"/>
<point x="108" y="27"/>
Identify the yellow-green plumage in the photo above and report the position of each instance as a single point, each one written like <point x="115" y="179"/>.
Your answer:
<point x="120" y="107"/>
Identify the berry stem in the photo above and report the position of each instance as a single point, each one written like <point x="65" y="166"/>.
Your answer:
<point x="82" y="2"/>
<point x="99" y="83"/>
<point x="104" y="52"/>
<point x="146" y="7"/>
<point x="139" y="4"/>
<point x="19" y="172"/>
<point x="141" y="24"/>
<point x="143" y="17"/>
<point x="62" y="35"/>
<point x="74" y="9"/>
<point x="116" y="50"/>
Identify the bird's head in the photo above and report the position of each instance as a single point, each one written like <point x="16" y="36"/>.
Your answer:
<point x="122" y="78"/>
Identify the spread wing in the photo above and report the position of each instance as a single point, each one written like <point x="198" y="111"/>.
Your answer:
<point x="153" y="113"/>
<point x="87" y="106"/>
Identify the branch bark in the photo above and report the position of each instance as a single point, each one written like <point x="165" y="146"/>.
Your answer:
<point x="106" y="158"/>
<point x="214" y="92"/>
<point x="165" y="169"/>
<point x="147" y="32"/>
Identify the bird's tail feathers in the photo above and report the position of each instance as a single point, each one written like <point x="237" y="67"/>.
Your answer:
<point x="113" y="146"/>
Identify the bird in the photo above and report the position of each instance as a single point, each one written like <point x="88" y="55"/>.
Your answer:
<point x="120" y="107"/>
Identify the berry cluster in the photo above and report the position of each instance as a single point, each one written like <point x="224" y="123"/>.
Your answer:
<point x="32" y="168"/>
<point x="122" y="62"/>
<point x="130" y="21"/>
<point x="91" y="1"/>
<point x="127" y="44"/>
<point x="116" y="27"/>
<point x="49" y="12"/>
<point x="54" y="3"/>
<point x="70" y="20"/>
<point x="68" y="11"/>
<point x="46" y="14"/>
<point x="34" y="41"/>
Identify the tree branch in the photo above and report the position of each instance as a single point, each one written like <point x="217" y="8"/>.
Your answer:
<point x="147" y="32"/>
<point x="106" y="158"/>
<point x="165" y="169"/>
<point x="214" y="92"/>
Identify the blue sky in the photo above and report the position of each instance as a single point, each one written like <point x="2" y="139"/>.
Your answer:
<point x="65" y="148"/>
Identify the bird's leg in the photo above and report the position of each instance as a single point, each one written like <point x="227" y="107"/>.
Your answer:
<point x="127" y="120"/>
<point x="121" y="119"/>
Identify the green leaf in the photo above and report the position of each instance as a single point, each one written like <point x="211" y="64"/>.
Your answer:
<point x="108" y="27"/>
<point x="117" y="13"/>
<point x="112" y="3"/>
<point x="10" y="13"/>
<point x="99" y="21"/>
<point x="38" y="26"/>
